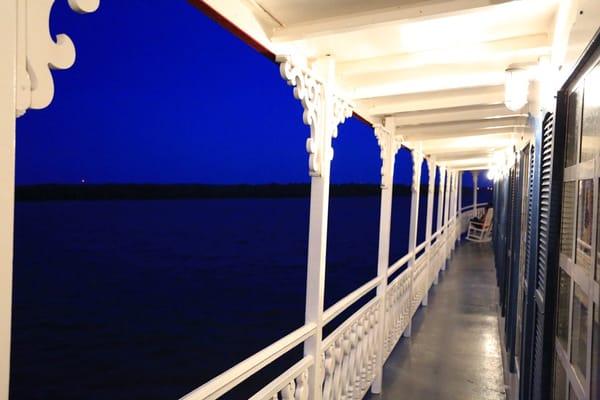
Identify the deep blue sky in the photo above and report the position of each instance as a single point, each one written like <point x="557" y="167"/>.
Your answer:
<point x="161" y="93"/>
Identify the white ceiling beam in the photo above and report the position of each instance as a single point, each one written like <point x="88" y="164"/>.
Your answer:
<point x="434" y="100"/>
<point x="564" y="19"/>
<point x="453" y="134"/>
<point x="480" y="167"/>
<point x="515" y="49"/>
<point x="457" y="145"/>
<point x="454" y="114"/>
<point x="445" y="156"/>
<point x="462" y="128"/>
<point x="377" y="18"/>
<point x="467" y="161"/>
<point x="428" y="79"/>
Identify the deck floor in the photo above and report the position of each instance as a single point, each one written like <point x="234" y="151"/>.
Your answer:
<point x="454" y="351"/>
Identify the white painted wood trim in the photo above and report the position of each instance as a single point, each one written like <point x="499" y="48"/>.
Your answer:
<point x="348" y="300"/>
<point x="8" y="43"/>
<point x="389" y="147"/>
<point x="272" y="389"/>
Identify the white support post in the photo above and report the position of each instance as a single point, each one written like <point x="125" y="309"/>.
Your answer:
<point x="447" y="196"/>
<point x="451" y="215"/>
<point x="323" y="112"/>
<point x="28" y="52"/>
<point x="440" y="215"/>
<point x="447" y="216"/>
<point x="417" y="157"/>
<point x="389" y="146"/>
<point x="459" y="207"/>
<point x="429" y="222"/>
<point x="8" y="44"/>
<point x="456" y="209"/>
<point x="475" y="176"/>
<point x="315" y="275"/>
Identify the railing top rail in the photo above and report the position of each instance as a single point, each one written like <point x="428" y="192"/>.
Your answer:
<point x="327" y="341"/>
<point x="582" y="243"/>
<point x="226" y="381"/>
<point x="229" y="379"/>
<point x="350" y="299"/>
<point x="421" y="246"/>
<point x="471" y="206"/>
<point x="283" y="380"/>
<point x="398" y="264"/>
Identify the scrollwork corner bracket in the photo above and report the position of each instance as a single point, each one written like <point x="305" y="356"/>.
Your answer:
<point x="389" y="144"/>
<point x="418" y="157"/>
<point x="323" y="111"/>
<point x="38" y="52"/>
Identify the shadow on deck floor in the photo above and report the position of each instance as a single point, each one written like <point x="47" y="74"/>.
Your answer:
<point x="454" y="352"/>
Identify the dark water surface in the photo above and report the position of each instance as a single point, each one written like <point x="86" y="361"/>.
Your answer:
<point x="149" y="299"/>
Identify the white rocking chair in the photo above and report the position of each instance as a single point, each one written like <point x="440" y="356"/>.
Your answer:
<point x="481" y="232"/>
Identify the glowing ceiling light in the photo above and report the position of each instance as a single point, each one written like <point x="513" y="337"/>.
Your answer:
<point x="516" y="88"/>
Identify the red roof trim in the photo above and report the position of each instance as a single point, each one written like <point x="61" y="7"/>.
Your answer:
<point x="250" y="41"/>
<point x="231" y="27"/>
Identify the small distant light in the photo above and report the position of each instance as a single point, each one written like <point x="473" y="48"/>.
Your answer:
<point x="83" y="181"/>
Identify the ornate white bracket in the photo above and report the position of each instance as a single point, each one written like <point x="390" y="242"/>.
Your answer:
<point x="389" y="144"/>
<point x="431" y="167"/>
<point x="417" y="156"/>
<point x="442" y="175"/>
<point x="38" y="52"/>
<point x="323" y="112"/>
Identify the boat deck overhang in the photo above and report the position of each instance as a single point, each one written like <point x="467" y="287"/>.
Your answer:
<point x="430" y="71"/>
<point x="463" y="84"/>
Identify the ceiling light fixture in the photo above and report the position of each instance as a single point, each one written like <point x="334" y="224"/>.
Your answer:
<point x="516" y="88"/>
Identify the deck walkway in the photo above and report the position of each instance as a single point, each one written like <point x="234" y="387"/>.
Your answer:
<point x="454" y="351"/>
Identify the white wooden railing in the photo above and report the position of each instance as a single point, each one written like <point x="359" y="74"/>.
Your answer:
<point x="349" y="357"/>
<point x="470" y="212"/>
<point x="584" y="253"/>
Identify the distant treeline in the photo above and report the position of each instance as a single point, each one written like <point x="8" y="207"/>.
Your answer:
<point x="50" y="192"/>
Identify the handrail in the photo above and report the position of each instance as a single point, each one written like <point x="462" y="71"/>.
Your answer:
<point x="398" y="264"/>
<point x="229" y="379"/>
<point x="348" y="300"/>
<point x="583" y="244"/>
<point x="421" y="246"/>
<point x="344" y="325"/>
<point x="356" y="295"/>
<point x="226" y="381"/>
<point x="283" y="380"/>
<point x="471" y="206"/>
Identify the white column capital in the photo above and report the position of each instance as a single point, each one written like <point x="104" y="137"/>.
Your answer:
<point x="431" y="167"/>
<point x="323" y="111"/>
<point x="431" y="164"/>
<point x="389" y="144"/>
<point x="417" y="156"/>
<point x="442" y="173"/>
<point x="38" y="52"/>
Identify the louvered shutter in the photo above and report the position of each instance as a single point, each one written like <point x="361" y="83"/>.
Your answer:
<point x="546" y="264"/>
<point x="529" y="324"/>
